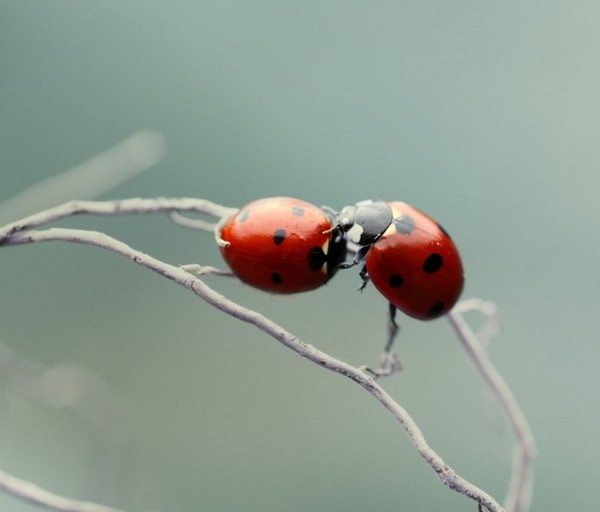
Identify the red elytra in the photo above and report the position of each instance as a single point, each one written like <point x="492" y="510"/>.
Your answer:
<point x="416" y="265"/>
<point x="282" y="245"/>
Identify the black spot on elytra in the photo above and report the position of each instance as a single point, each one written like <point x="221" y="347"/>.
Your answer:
<point x="435" y="310"/>
<point x="404" y="224"/>
<point x="279" y="236"/>
<point x="396" y="280"/>
<point x="243" y="217"/>
<point x="316" y="259"/>
<point x="276" y="278"/>
<point x="433" y="263"/>
<point x="297" y="211"/>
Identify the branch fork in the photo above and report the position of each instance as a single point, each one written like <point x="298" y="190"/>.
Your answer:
<point x="28" y="231"/>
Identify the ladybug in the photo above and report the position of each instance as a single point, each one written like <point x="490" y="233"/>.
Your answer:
<point x="282" y="245"/>
<point x="409" y="257"/>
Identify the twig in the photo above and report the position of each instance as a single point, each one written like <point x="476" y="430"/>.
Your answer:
<point x="444" y="472"/>
<point x="120" y="207"/>
<point x="519" y="493"/>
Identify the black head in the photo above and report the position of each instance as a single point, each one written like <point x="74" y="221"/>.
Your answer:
<point x="364" y="222"/>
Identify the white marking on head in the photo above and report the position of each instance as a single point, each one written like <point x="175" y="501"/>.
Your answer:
<point x="325" y="247"/>
<point x="354" y="234"/>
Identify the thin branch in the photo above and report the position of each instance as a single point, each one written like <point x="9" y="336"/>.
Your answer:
<point x="444" y="472"/>
<point x="519" y="493"/>
<point x="120" y="207"/>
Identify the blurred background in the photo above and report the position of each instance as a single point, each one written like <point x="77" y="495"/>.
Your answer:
<point x="485" y="115"/>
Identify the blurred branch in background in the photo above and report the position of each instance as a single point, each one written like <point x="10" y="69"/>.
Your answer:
<point x="89" y="179"/>
<point x="105" y="417"/>
<point x="35" y="495"/>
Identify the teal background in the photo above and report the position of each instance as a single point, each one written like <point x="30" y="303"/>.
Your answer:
<point x="484" y="114"/>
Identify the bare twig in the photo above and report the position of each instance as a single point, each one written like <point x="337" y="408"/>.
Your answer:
<point x="444" y="472"/>
<point x="121" y="207"/>
<point x="519" y="493"/>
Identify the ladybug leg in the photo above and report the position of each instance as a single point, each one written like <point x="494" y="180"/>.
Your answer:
<point x="393" y="329"/>
<point x="358" y="257"/>
<point x="364" y="275"/>
<point x="388" y="363"/>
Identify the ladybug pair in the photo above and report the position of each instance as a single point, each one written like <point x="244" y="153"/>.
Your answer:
<point x="285" y="245"/>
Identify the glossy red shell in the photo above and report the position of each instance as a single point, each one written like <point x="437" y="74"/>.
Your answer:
<point x="416" y="265"/>
<point x="281" y="245"/>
